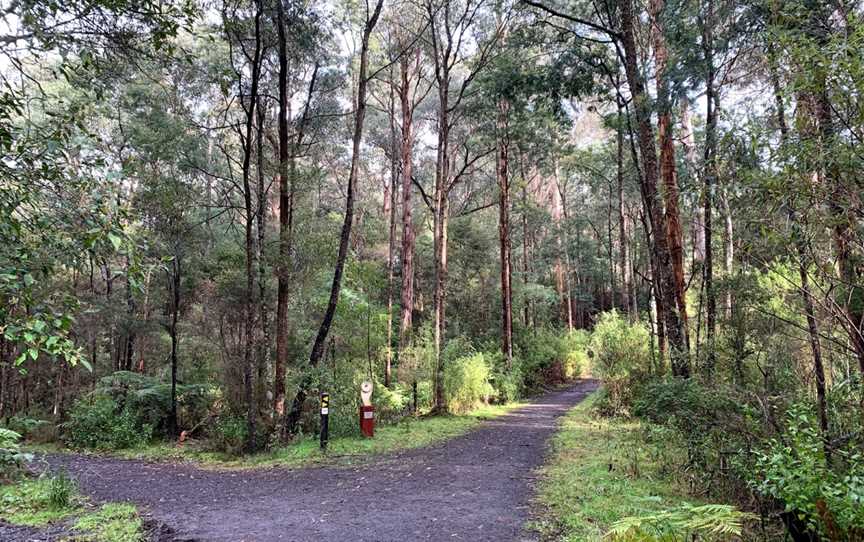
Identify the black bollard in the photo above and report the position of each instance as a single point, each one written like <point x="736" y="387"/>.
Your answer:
<point x="325" y="414"/>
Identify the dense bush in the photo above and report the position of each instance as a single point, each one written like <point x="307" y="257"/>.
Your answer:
<point x="150" y="399"/>
<point x="572" y="353"/>
<point x="709" y="423"/>
<point x="508" y="383"/>
<point x="12" y="459"/>
<point x="622" y="359"/>
<point x="128" y="409"/>
<point x="467" y="382"/>
<point x="98" y="422"/>
<point x="826" y="494"/>
<point x="229" y="434"/>
<point x="31" y="428"/>
<point x="390" y="404"/>
<point x="538" y="351"/>
<point x="549" y="358"/>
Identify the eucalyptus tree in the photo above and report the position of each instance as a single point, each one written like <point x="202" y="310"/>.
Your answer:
<point x="372" y="14"/>
<point x="617" y="26"/>
<point x="459" y="50"/>
<point x="302" y="36"/>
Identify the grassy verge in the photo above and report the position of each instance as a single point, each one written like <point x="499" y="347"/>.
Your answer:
<point x="40" y="501"/>
<point x="47" y="500"/>
<point x="408" y="434"/>
<point x="600" y="471"/>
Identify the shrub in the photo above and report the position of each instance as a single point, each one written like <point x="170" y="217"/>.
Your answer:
<point x="538" y="351"/>
<point x="466" y="382"/>
<point x="508" y="385"/>
<point x="390" y="403"/>
<point x="621" y="359"/>
<point x="794" y="470"/>
<point x="150" y="399"/>
<point x="61" y="491"/>
<point x="706" y="522"/>
<point x="100" y="423"/>
<point x="12" y="459"/>
<point x="711" y="423"/>
<point x="572" y="353"/>
<point x="229" y="434"/>
<point x="26" y="426"/>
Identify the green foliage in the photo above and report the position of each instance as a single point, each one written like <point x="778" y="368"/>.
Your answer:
<point x="61" y="490"/>
<point x="150" y="399"/>
<point x="508" y="383"/>
<point x="12" y="459"/>
<point x="538" y="352"/>
<point x="601" y="470"/>
<point x="39" y="501"/>
<point x="549" y="357"/>
<point x="390" y="403"/>
<point x="113" y="522"/>
<point x="621" y="359"/>
<point x="827" y="495"/>
<point x="705" y="522"/>
<point x="467" y="382"/>
<point x="229" y="434"/>
<point x="99" y="422"/>
<point x="26" y="426"/>
<point x="702" y="419"/>
<point x="572" y="353"/>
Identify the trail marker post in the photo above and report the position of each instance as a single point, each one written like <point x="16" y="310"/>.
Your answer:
<point x="367" y="411"/>
<point x="325" y="414"/>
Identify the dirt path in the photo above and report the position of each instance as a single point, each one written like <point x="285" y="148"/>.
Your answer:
<point x="475" y="487"/>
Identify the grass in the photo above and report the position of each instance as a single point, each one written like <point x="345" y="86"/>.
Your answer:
<point x="37" y="502"/>
<point x="113" y="522"/>
<point x="407" y="434"/>
<point x="599" y="472"/>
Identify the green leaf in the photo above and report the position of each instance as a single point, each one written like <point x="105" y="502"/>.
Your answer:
<point x="116" y="241"/>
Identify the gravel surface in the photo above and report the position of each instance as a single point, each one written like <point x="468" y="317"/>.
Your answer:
<point x="474" y="487"/>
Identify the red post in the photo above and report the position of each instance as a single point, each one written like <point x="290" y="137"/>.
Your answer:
<point x="367" y="421"/>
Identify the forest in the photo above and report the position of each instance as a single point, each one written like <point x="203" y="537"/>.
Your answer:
<point x="643" y="216"/>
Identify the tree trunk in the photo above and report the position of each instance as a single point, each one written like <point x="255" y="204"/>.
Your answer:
<point x="286" y="212"/>
<point x="728" y="246"/>
<point x="441" y="219"/>
<point x="408" y="234"/>
<point x="345" y="237"/>
<point x="502" y="174"/>
<point x="798" y="234"/>
<point x="668" y="172"/>
<point x="525" y="266"/>
<point x="650" y="196"/>
<point x="172" y="331"/>
<point x="249" y="309"/>
<point x="712" y="105"/>
<point x="688" y="143"/>
<point x="628" y="295"/>
<point x="391" y="239"/>
<point x="562" y="256"/>
<point x="129" y="343"/>
<point x="263" y="348"/>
